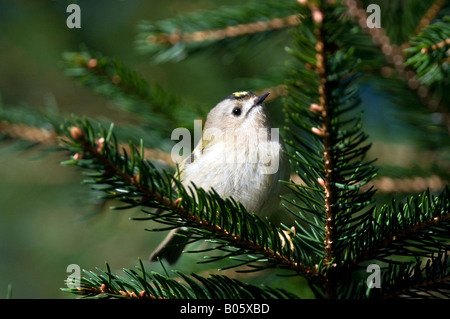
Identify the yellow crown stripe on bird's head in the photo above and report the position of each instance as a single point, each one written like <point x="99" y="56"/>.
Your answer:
<point x="240" y="94"/>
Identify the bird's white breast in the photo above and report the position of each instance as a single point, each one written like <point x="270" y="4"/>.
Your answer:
<point x="234" y="169"/>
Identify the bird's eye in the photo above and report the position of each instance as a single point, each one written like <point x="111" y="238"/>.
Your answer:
<point x="237" y="111"/>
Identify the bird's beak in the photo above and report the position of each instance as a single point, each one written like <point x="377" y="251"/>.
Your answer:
<point x="262" y="98"/>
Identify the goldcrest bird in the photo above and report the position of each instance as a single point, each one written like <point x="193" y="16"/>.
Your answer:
<point x="239" y="155"/>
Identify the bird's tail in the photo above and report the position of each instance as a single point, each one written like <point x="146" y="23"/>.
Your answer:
<point x="172" y="246"/>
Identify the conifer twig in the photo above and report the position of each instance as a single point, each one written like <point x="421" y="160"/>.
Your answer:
<point x="221" y="34"/>
<point x="29" y="133"/>
<point x="429" y="15"/>
<point x="435" y="46"/>
<point x="138" y="284"/>
<point x="322" y="49"/>
<point x="324" y="99"/>
<point x="398" y="238"/>
<point x="394" y="55"/>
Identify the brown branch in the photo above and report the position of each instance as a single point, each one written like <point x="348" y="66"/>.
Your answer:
<point x="50" y="137"/>
<point x="412" y="184"/>
<point x="228" y="32"/>
<point x="415" y="184"/>
<point x="29" y="133"/>
<point x="322" y="49"/>
<point x="326" y="133"/>
<point x="104" y="289"/>
<point x="430" y="14"/>
<point x="436" y="46"/>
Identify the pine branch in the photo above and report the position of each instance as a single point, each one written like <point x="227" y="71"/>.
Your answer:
<point x="133" y="180"/>
<point x="395" y="56"/>
<point x="428" y="53"/>
<point x="329" y="154"/>
<point x="398" y="238"/>
<point x="431" y="13"/>
<point x="428" y="57"/>
<point x="29" y="133"/>
<point x="410" y="184"/>
<point x="323" y="48"/>
<point x="419" y="279"/>
<point x="141" y="285"/>
<point x="401" y="19"/>
<point x="42" y="127"/>
<point x="338" y="171"/>
<point x="156" y="109"/>
<point x="421" y="226"/>
<point x="174" y="39"/>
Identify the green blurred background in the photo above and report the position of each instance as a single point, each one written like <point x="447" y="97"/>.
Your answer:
<point x="48" y="220"/>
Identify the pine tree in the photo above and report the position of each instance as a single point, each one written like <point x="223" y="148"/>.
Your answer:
<point x="338" y="235"/>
